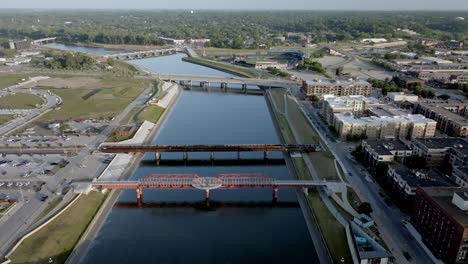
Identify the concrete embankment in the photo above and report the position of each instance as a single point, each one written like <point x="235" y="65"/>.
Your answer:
<point x="126" y="171"/>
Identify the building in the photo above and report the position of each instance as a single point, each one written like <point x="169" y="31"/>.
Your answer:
<point x="408" y="126"/>
<point x="436" y="150"/>
<point x="198" y="41"/>
<point x="440" y="217"/>
<point x="387" y="110"/>
<point x="407" y="81"/>
<point x="404" y="182"/>
<point x="376" y="151"/>
<point x="374" y="40"/>
<point x="270" y="64"/>
<point x="127" y="131"/>
<point x="435" y="60"/>
<point x="338" y="88"/>
<point x="355" y="104"/>
<point x="172" y="41"/>
<point x="460" y="175"/>
<point x="462" y="78"/>
<point x="20" y="45"/>
<point x="367" y="250"/>
<point x="397" y="98"/>
<point x="434" y="72"/>
<point x="450" y="116"/>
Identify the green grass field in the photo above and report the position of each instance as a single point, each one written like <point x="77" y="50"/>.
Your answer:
<point x="333" y="232"/>
<point x="5" y="119"/>
<point x="151" y="113"/>
<point x="58" y="238"/>
<point x="108" y="98"/>
<point x="20" y="101"/>
<point x="7" y="79"/>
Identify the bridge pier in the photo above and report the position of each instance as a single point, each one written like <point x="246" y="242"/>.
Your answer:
<point x="305" y="190"/>
<point x="265" y="155"/>
<point x="212" y="156"/>
<point x="244" y="88"/>
<point x="139" y="194"/>
<point x="158" y="156"/>
<point x="238" y="155"/>
<point x="189" y="84"/>
<point x="185" y="156"/>
<point x="275" y="194"/>
<point x="207" y="197"/>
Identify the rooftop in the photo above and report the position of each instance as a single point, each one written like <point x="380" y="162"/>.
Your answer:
<point x="443" y="197"/>
<point x="442" y="143"/>
<point x="421" y="178"/>
<point x="336" y="82"/>
<point x="384" y="147"/>
<point x="374" y="120"/>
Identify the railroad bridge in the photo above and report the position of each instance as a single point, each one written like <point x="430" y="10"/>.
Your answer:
<point x="207" y="184"/>
<point x="185" y="149"/>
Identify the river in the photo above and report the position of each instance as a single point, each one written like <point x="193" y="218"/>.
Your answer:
<point x="239" y="226"/>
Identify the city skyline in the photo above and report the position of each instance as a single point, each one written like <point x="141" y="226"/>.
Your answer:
<point x="432" y="5"/>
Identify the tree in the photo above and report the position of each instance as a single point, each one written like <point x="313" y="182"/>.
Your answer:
<point x="365" y="208"/>
<point x="444" y="96"/>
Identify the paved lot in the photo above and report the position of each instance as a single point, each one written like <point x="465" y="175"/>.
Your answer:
<point x="45" y="141"/>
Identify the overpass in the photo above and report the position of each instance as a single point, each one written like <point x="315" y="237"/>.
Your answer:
<point x="143" y="54"/>
<point x="225" y="82"/>
<point x="43" y="41"/>
<point x="158" y="149"/>
<point x="207" y="184"/>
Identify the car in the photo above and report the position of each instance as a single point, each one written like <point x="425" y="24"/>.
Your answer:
<point x="350" y="174"/>
<point x="407" y="256"/>
<point x="43" y="198"/>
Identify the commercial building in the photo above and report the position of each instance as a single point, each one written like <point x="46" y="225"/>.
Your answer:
<point x="450" y="116"/>
<point x="434" y="72"/>
<point x="376" y="151"/>
<point x="436" y="150"/>
<point x="407" y="81"/>
<point x="355" y="104"/>
<point x="338" y="88"/>
<point x="272" y="64"/>
<point x="397" y="97"/>
<point x="408" y="126"/>
<point x="462" y="78"/>
<point x="440" y="217"/>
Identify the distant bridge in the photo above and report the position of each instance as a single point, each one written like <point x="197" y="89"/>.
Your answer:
<point x="43" y="41"/>
<point x="143" y="54"/>
<point x="222" y="181"/>
<point x="158" y="149"/>
<point x="224" y="82"/>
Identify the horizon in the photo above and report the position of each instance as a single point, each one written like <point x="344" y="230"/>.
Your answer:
<point x="244" y="5"/>
<point x="229" y="10"/>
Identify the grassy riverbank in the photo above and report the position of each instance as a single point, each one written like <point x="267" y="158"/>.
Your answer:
<point x="57" y="239"/>
<point x="236" y="70"/>
<point x="332" y="231"/>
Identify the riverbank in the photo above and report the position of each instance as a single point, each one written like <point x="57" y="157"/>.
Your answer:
<point x="236" y="70"/>
<point x="332" y="234"/>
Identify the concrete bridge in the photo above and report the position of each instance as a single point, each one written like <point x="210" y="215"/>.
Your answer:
<point x="185" y="149"/>
<point x="43" y="41"/>
<point x="207" y="184"/>
<point x="143" y="54"/>
<point x="225" y="82"/>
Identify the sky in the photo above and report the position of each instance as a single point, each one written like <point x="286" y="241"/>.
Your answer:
<point x="244" y="4"/>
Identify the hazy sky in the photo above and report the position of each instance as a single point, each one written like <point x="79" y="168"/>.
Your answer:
<point x="244" y="4"/>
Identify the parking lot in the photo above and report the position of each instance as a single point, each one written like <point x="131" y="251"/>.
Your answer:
<point x="44" y="141"/>
<point x="28" y="166"/>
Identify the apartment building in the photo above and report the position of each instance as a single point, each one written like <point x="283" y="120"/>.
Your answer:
<point x="338" y="88"/>
<point x="451" y="117"/>
<point x="355" y="104"/>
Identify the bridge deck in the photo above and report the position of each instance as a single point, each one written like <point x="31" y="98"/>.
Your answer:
<point x="209" y="148"/>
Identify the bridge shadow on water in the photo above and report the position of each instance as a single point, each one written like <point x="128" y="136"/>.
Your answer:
<point x="258" y="92"/>
<point x="215" y="163"/>
<point x="207" y="206"/>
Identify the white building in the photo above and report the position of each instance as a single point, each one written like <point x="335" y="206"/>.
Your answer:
<point x="272" y="64"/>
<point x="355" y="104"/>
<point x="373" y="40"/>
<point x="398" y="97"/>
<point x="385" y="127"/>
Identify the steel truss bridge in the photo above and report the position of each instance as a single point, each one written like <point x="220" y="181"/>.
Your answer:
<point x="158" y="149"/>
<point x="222" y="181"/>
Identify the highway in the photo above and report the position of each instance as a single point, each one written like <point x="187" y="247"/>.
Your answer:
<point x="395" y="234"/>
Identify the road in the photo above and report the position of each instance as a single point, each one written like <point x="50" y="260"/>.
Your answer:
<point x="388" y="218"/>
<point x="28" y="115"/>
<point x="21" y="220"/>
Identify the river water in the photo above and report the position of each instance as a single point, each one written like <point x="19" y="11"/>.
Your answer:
<point x="239" y="226"/>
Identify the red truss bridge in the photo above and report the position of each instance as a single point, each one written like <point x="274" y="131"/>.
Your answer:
<point x="222" y="181"/>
